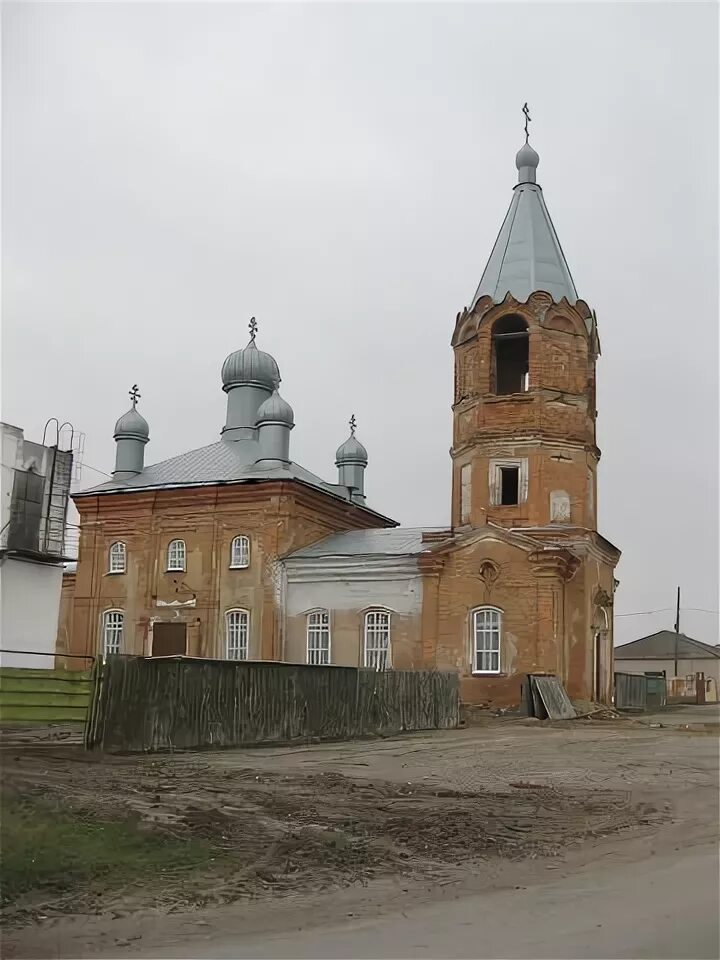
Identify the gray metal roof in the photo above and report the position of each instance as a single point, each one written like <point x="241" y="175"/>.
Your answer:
<point x="527" y="255"/>
<point x="661" y="646"/>
<point x="400" y="541"/>
<point x="221" y="462"/>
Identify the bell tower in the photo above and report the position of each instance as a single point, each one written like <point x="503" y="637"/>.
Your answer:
<point x="524" y="447"/>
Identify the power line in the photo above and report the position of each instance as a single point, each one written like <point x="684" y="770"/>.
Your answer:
<point x="95" y="469"/>
<point x="646" y="613"/>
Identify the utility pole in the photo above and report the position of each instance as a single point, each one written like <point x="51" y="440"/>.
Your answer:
<point x="677" y="630"/>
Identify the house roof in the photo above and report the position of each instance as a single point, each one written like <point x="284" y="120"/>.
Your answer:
<point x="219" y="463"/>
<point x="661" y="646"/>
<point x="398" y="542"/>
<point x="527" y="255"/>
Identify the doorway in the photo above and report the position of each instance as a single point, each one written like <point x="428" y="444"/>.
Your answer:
<point x="169" y="639"/>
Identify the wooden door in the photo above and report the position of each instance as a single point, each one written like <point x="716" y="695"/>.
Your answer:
<point x="169" y="640"/>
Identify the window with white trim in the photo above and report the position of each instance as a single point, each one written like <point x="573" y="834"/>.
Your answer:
<point x="486" y="632"/>
<point x="377" y="639"/>
<point x="112" y="631"/>
<point x="240" y="553"/>
<point x="508" y="482"/>
<point x="118" y="558"/>
<point x="318" y="637"/>
<point x="237" y="633"/>
<point x="176" y="555"/>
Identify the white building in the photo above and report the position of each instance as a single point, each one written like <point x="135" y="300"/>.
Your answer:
<point x="34" y="489"/>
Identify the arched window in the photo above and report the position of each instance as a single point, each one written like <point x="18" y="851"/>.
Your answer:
<point x="176" y="555"/>
<point x="112" y="631"/>
<point x="118" y="557"/>
<point x="318" y="637"/>
<point x="237" y="631"/>
<point x="511" y="355"/>
<point x="486" y="636"/>
<point x="377" y="639"/>
<point x="240" y="553"/>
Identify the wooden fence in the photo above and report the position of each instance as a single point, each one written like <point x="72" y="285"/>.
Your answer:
<point x="630" y="691"/>
<point x="44" y="696"/>
<point x="175" y="703"/>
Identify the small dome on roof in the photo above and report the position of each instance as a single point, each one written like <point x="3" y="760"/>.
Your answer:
<point x="276" y="410"/>
<point x="132" y="425"/>
<point x="352" y="451"/>
<point x="527" y="157"/>
<point x="250" y="366"/>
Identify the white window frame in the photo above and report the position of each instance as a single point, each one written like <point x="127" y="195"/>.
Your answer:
<point x="317" y="627"/>
<point x="377" y="624"/>
<point x="240" y="552"/>
<point x="495" y="480"/>
<point x="237" y="634"/>
<point x="486" y="625"/>
<point x="176" y="556"/>
<point x="117" y="557"/>
<point x="113" y="631"/>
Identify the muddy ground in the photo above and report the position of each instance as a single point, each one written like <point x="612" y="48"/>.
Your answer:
<point x="328" y="827"/>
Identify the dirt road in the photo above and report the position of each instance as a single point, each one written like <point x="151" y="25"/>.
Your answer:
<point x="452" y="835"/>
<point x="665" y="907"/>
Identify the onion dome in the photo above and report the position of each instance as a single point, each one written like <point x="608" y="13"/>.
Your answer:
<point x="527" y="161"/>
<point x="352" y="451"/>
<point x="276" y="410"/>
<point x="132" y="425"/>
<point x="250" y="367"/>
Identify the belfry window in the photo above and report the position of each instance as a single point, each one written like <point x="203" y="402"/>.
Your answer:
<point x="511" y="355"/>
<point x="509" y="485"/>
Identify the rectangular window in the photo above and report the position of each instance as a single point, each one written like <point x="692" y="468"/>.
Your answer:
<point x="236" y="634"/>
<point x="465" y="492"/>
<point x="112" y="632"/>
<point x="509" y="485"/>
<point x="486" y="640"/>
<point x="318" y="637"/>
<point x="377" y="640"/>
<point x="508" y="480"/>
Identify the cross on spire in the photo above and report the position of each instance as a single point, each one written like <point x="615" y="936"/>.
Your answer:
<point x="353" y="424"/>
<point x="253" y="327"/>
<point x="134" y="395"/>
<point x="528" y="119"/>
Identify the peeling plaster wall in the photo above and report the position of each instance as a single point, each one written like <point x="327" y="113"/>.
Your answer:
<point x="347" y="592"/>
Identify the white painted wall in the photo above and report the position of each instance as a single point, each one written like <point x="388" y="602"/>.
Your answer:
<point x="29" y="610"/>
<point x="710" y="667"/>
<point x="402" y="595"/>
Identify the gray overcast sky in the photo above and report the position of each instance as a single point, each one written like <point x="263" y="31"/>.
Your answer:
<point x="341" y="171"/>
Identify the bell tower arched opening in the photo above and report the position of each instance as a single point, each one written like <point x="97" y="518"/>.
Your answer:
<point x="510" y="356"/>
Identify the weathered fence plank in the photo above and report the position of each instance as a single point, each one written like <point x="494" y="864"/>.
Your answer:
<point x="630" y="691"/>
<point x="169" y="703"/>
<point x="47" y="696"/>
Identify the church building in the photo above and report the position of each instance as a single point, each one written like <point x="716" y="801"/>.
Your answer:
<point x="236" y="551"/>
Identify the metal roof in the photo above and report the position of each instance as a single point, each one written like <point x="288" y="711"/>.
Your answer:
<point x="222" y="462"/>
<point x="527" y="255"/>
<point x="400" y="541"/>
<point x="661" y="646"/>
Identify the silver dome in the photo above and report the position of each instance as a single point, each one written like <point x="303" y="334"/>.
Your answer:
<point x="250" y="367"/>
<point x="276" y="410"/>
<point x="352" y="451"/>
<point x="527" y="157"/>
<point x="132" y="425"/>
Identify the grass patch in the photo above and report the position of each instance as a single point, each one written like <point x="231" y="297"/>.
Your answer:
<point x="54" y="850"/>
